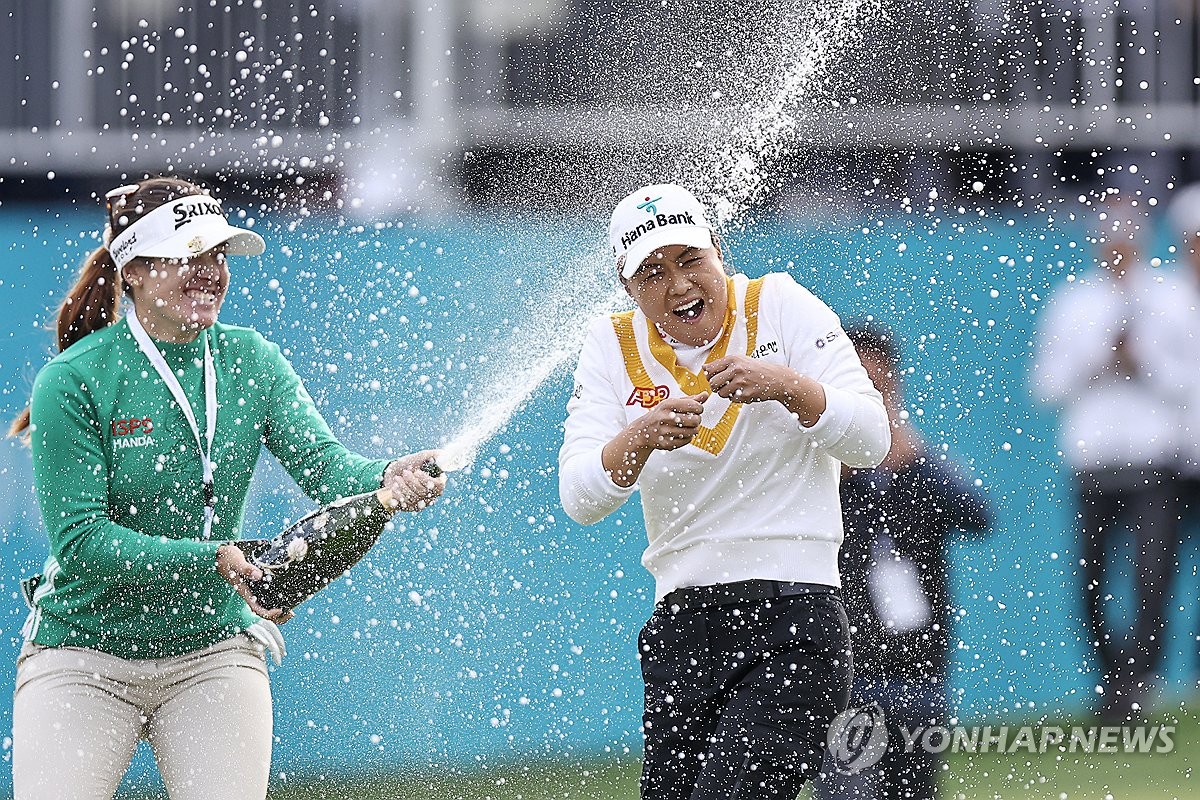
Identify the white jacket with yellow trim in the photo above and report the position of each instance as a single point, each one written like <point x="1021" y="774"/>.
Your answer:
<point x="759" y="497"/>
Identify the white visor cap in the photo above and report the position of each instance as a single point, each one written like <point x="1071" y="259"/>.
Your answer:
<point x="654" y="217"/>
<point x="181" y="229"/>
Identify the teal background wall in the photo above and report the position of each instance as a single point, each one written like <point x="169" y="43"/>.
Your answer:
<point x="491" y="627"/>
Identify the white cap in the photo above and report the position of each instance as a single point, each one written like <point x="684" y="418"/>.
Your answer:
<point x="1185" y="210"/>
<point x="183" y="228"/>
<point x="654" y="217"/>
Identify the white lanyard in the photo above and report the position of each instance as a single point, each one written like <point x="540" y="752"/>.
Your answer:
<point x="210" y="407"/>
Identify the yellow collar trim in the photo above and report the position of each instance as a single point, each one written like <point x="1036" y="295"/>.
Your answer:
<point x="663" y="353"/>
<point x="711" y="440"/>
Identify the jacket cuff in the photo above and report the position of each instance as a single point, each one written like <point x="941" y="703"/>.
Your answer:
<point x="594" y="486"/>
<point x="835" y="420"/>
<point x="597" y="478"/>
<point x="201" y="552"/>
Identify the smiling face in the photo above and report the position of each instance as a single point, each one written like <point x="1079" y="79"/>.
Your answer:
<point x="682" y="290"/>
<point x="176" y="299"/>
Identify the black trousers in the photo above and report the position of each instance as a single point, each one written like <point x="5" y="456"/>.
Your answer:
<point x="740" y="694"/>
<point x="909" y="705"/>
<point x="1147" y="504"/>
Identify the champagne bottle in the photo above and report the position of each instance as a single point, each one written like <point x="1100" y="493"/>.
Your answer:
<point x="320" y="548"/>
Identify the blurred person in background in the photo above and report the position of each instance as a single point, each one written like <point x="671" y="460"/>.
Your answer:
<point x="731" y="404"/>
<point x="145" y="431"/>
<point x="899" y="518"/>
<point x="1182" y="329"/>
<point x="1102" y="358"/>
<point x="1183" y="324"/>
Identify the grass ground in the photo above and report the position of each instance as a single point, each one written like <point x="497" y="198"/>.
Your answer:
<point x="597" y="781"/>
<point x="968" y="776"/>
<point x="1084" y="776"/>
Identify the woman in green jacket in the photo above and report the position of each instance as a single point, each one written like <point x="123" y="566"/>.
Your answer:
<point x="145" y="431"/>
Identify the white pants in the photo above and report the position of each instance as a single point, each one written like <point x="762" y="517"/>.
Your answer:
<point x="78" y="715"/>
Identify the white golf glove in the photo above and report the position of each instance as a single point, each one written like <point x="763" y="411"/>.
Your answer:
<point x="267" y="634"/>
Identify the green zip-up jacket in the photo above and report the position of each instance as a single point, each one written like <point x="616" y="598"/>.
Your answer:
<point x="120" y="485"/>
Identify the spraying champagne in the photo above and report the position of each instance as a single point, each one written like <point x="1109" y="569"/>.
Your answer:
<point x="321" y="547"/>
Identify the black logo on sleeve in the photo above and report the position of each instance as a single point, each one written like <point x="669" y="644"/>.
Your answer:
<point x="827" y="338"/>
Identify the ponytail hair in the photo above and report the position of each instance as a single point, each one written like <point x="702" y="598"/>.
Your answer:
<point x="91" y="305"/>
<point x="93" y="300"/>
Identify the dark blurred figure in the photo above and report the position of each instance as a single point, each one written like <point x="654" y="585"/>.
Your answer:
<point x="898" y="519"/>
<point x="1104" y="359"/>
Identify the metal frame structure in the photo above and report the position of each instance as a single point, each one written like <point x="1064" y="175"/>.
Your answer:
<point x="388" y="92"/>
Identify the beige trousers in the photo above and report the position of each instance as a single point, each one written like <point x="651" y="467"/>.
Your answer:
<point x="78" y="715"/>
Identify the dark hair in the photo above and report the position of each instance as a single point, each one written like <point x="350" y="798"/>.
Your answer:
<point x="871" y="337"/>
<point x="92" y="302"/>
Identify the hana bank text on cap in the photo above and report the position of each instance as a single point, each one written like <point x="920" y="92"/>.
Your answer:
<point x="654" y="217"/>
<point x="181" y="229"/>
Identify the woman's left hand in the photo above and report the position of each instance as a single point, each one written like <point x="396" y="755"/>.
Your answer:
<point x="749" y="380"/>
<point x="412" y="487"/>
<point x="233" y="566"/>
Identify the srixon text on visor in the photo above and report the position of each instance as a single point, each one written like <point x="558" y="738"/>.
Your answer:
<point x="186" y="212"/>
<point x="657" y="221"/>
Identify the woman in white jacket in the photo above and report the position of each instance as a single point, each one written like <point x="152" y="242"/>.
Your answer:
<point x="732" y="404"/>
